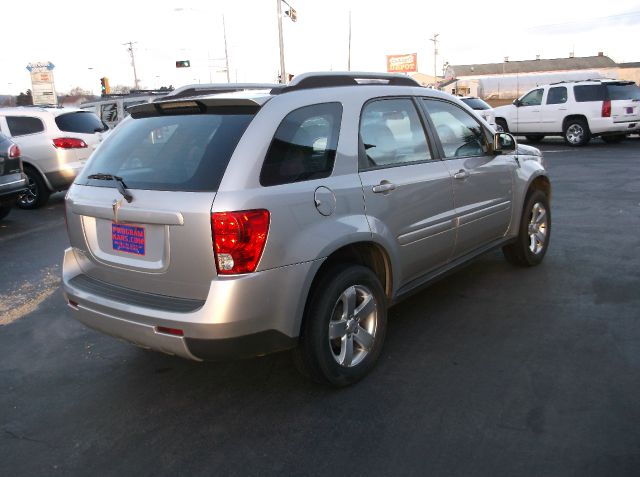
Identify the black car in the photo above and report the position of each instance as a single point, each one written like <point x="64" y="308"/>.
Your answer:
<point x="13" y="182"/>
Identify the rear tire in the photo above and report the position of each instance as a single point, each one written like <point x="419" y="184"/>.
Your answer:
<point x="534" y="235"/>
<point x="534" y="138"/>
<point x="37" y="195"/>
<point x="576" y="132"/>
<point x="616" y="138"/>
<point x="4" y="211"/>
<point x="344" y="326"/>
<point x="503" y="124"/>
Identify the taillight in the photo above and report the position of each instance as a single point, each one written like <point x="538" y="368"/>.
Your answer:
<point x="239" y="239"/>
<point x="69" y="143"/>
<point x="606" y="108"/>
<point x="14" y="151"/>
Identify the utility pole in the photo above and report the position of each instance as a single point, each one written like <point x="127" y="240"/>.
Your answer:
<point x="226" y="55"/>
<point x="133" y="61"/>
<point x="349" y="61"/>
<point x="435" y="55"/>
<point x="283" y="74"/>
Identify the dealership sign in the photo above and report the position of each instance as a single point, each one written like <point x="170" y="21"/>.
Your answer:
<point x="43" y="90"/>
<point x="402" y="63"/>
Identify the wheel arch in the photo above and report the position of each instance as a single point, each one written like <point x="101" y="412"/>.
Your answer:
<point x="26" y="163"/>
<point x="573" y="116"/>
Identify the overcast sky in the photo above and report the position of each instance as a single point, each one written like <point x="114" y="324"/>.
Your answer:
<point x="84" y="39"/>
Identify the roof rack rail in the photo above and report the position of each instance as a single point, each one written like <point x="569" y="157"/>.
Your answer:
<point x="344" y="78"/>
<point x="214" y="88"/>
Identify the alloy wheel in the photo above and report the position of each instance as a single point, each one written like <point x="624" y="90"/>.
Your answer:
<point x="538" y="228"/>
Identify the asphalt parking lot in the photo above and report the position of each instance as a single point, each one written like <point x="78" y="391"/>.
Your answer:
<point x="493" y="371"/>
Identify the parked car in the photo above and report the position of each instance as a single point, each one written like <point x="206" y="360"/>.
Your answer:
<point x="576" y="111"/>
<point x="55" y="144"/>
<point x="240" y="224"/>
<point x="13" y="182"/>
<point x="485" y="111"/>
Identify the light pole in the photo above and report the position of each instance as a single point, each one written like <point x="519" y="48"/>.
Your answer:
<point x="435" y="56"/>
<point x="292" y="14"/>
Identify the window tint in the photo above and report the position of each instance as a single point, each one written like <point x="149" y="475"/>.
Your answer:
<point x="304" y="146"/>
<point x="475" y="103"/>
<point x="557" y="95"/>
<point x="460" y="134"/>
<point x="392" y="133"/>
<point x="534" y="98"/>
<point x="109" y="112"/>
<point x="22" y="125"/>
<point x="589" y="92"/>
<point x="79" y="122"/>
<point x="623" y="91"/>
<point x="178" y="153"/>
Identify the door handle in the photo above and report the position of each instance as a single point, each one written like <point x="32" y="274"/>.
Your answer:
<point x="384" y="186"/>
<point x="461" y="174"/>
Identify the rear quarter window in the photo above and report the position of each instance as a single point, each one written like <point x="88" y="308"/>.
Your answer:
<point x="82" y="122"/>
<point x="23" y="125"/>
<point x="304" y="145"/>
<point x="590" y="92"/>
<point x="174" y="153"/>
<point x="619" y="92"/>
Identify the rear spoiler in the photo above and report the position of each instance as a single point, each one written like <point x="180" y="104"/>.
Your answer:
<point x="198" y="106"/>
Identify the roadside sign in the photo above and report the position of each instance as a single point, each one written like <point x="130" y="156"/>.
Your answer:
<point x="402" y="63"/>
<point x="43" y="90"/>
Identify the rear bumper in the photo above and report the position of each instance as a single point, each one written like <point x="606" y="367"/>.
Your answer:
<point x="607" y="126"/>
<point x="10" y="190"/>
<point x="242" y="316"/>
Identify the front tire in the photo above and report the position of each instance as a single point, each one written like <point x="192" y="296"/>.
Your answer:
<point x="344" y="326"/>
<point x="576" y="132"/>
<point x="534" y="235"/>
<point x="4" y="211"/>
<point x="503" y="124"/>
<point x="37" y="193"/>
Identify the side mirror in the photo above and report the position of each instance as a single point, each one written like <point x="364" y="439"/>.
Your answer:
<point x="517" y="103"/>
<point x="503" y="142"/>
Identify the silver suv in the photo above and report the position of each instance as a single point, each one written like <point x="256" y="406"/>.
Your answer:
<point x="55" y="144"/>
<point x="240" y="224"/>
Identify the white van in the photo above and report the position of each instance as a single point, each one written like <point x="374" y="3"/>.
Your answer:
<point x="113" y="109"/>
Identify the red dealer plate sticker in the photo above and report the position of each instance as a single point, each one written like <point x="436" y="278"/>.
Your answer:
<point x="128" y="238"/>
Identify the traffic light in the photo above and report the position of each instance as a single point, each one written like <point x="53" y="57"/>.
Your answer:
<point x="104" y="86"/>
<point x="183" y="64"/>
<point x="292" y="14"/>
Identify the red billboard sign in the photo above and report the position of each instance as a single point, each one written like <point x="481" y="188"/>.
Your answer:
<point x="402" y="63"/>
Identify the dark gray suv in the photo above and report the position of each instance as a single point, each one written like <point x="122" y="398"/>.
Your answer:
<point x="240" y="224"/>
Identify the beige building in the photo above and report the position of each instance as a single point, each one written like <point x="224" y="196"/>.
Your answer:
<point x="629" y="71"/>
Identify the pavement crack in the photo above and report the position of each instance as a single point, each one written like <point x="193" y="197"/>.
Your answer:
<point x="13" y="435"/>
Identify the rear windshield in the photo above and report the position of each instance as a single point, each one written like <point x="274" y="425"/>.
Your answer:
<point x="174" y="153"/>
<point x="475" y="103"/>
<point x="623" y="91"/>
<point x="81" y="122"/>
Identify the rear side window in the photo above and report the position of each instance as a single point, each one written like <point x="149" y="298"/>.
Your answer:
<point x="557" y="95"/>
<point x="174" y="153"/>
<point x="23" y="125"/>
<point x="304" y="146"/>
<point x="589" y="92"/>
<point x="81" y="122"/>
<point x="619" y="92"/>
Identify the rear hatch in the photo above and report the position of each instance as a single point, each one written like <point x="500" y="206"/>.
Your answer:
<point x="171" y="162"/>
<point x="82" y="125"/>
<point x="625" y="101"/>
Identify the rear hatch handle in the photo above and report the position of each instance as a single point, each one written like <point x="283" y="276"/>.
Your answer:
<point x="127" y="214"/>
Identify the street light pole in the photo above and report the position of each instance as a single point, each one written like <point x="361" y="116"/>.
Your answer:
<point x="435" y="55"/>
<point x="349" y="61"/>
<point x="282" y="70"/>
<point x="226" y="55"/>
<point x="133" y="61"/>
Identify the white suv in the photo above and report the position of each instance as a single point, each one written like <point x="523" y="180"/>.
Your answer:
<point x="55" y="144"/>
<point x="577" y="111"/>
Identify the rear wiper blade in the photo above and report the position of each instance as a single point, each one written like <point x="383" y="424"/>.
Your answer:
<point x="120" y="185"/>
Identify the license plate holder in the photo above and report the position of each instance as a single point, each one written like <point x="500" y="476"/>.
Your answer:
<point x="128" y="238"/>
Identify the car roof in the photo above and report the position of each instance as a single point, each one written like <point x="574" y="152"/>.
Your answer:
<point x="38" y="111"/>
